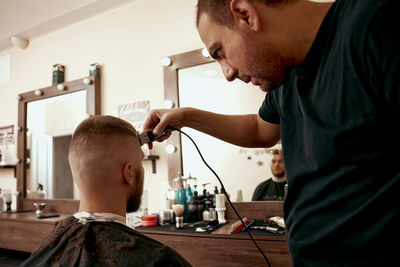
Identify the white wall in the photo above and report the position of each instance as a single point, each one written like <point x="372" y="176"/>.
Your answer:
<point x="129" y="43"/>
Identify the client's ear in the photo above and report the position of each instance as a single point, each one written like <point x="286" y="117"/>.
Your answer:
<point x="128" y="173"/>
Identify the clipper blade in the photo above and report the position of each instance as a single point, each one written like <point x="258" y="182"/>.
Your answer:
<point x="146" y="137"/>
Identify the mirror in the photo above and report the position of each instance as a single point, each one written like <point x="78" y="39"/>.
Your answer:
<point x="51" y="123"/>
<point x="200" y="84"/>
<point x="47" y="118"/>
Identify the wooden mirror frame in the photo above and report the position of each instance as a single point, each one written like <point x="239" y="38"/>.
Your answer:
<point x="93" y="91"/>
<point x="171" y="93"/>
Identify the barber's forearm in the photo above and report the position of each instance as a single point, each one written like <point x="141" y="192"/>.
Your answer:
<point x="240" y="130"/>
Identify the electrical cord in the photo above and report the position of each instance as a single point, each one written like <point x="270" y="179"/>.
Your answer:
<point x="225" y="192"/>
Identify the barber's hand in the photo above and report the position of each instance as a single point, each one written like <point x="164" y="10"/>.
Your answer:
<point x="159" y="119"/>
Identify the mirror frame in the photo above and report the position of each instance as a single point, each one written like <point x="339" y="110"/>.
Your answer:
<point x="171" y="93"/>
<point x="93" y="91"/>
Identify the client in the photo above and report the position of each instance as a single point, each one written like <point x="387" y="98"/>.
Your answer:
<point x="274" y="188"/>
<point x="106" y="163"/>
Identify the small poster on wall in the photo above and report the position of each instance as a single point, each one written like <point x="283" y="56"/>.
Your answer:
<point x="6" y="138"/>
<point x="136" y="113"/>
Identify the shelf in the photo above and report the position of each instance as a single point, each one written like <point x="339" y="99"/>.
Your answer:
<point x="10" y="167"/>
<point x="153" y="159"/>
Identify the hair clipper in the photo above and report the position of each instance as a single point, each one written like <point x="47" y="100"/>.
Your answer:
<point x="146" y="137"/>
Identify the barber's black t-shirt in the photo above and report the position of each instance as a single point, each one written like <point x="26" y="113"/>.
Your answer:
<point x="339" y="113"/>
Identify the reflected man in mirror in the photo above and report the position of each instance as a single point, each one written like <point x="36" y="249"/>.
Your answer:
<point x="106" y="163"/>
<point x="274" y="188"/>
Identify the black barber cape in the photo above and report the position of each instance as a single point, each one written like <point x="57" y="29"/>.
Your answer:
<point x="101" y="244"/>
<point x="269" y="191"/>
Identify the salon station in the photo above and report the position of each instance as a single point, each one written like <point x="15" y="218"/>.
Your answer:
<point x="63" y="61"/>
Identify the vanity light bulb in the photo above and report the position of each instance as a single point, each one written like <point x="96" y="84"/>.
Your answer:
<point x="166" y="61"/>
<point x="170" y="149"/>
<point x="87" y="81"/>
<point x="168" y="104"/>
<point x="61" y="87"/>
<point x="205" y="52"/>
<point x="38" y="92"/>
<point x="18" y="97"/>
<point x="17" y="128"/>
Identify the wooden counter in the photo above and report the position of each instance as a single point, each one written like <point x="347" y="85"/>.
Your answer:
<point x="220" y="246"/>
<point x="23" y="232"/>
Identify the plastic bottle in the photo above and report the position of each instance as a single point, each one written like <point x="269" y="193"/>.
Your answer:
<point x="180" y="195"/>
<point x="193" y="214"/>
<point x="165" y="188"/>
<point x="40" y="192"/>
<point x="206" y="215"/>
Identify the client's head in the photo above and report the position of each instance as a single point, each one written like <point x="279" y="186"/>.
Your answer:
<point x="277" y="164"/>
<point x="106" y="163"/>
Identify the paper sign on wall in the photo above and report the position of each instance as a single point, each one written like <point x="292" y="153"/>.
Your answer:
<point x="136" y="113"/>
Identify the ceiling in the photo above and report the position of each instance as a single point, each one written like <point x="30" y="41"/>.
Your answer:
<point x="33" y="18"/>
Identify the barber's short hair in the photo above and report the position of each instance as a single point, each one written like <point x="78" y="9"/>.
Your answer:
<point x="99" y="128"/>
<point x="219" y="10"/>
<point x="276" y="151"/>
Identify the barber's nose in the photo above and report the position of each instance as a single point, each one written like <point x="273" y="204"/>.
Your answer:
<point x="230" y="73"/>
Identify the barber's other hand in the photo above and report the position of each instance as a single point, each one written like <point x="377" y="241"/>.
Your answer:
<point x="159" y="119"/>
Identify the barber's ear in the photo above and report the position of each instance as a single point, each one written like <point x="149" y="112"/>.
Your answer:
<point x="245" y="15"/>
<point x="128" y="172"/>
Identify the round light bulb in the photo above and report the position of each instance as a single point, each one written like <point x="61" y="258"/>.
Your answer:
<point x="87" y="81"/>
<point x="166" y="61"/>
<point x="205" y="52"/>
<point x="38" y="92"/>
<point x="168" y="104"/>
<point x="170" y="149"/>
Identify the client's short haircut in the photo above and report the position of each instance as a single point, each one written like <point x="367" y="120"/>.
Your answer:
<point x="99" y="131"/>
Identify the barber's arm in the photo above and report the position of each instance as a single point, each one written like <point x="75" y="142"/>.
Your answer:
<point x="242" y="130"/>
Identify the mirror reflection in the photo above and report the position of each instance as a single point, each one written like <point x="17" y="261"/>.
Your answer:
<point x="50" y="124"/>
<point x="240" y="169"/>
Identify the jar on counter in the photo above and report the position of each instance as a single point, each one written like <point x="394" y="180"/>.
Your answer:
<point x="165" y="217"/>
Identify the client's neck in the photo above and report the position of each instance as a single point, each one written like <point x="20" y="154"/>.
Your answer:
<point x="279" y="179"/>
<point x="103" y="203"/>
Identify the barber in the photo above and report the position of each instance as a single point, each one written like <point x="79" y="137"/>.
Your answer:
<point x="331" y="73"/>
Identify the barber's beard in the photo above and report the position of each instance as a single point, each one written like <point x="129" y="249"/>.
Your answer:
<point x="267" y="66"/>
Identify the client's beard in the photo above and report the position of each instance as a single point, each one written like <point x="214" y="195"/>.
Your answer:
<point x="136" y="199"/>
<point x="133" y="204"/>
<point x="279" y="174"/>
